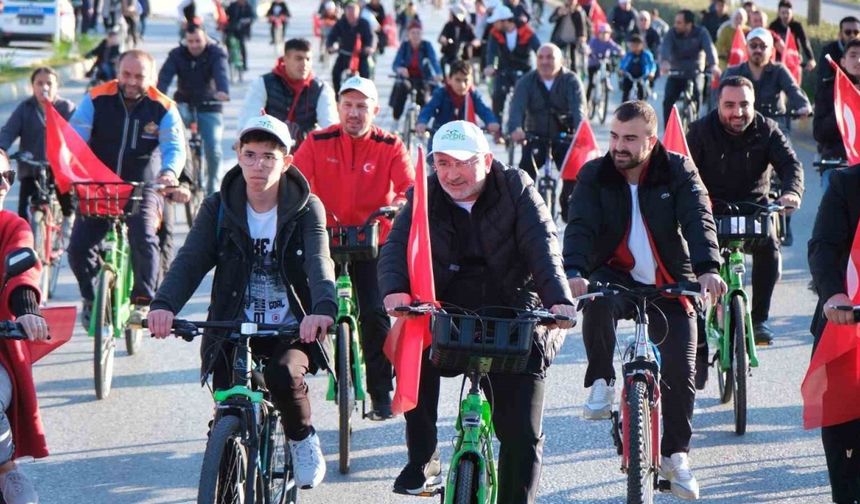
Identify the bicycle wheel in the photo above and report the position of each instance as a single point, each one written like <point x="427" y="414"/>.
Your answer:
<point x="604" y="99"/>
<point x="57" y="248"/>
<point x="133" y="340"/>
<point x="592" y="103"/>
<point x="279" y="478"/>
<point x="640" y="473"/>
<point x="740" y="363"/>
<point x="408" y="124"/>
<point x="725" y="379"/>
<point x="466" y="491"/>
<point x="226" y="463"/>
<point x="40" y="234"/>
<point x="198" y="190"/>
<point x="103" y="341"/>
<point x="345" y="393"/>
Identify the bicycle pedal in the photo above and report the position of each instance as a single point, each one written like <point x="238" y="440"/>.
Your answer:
<point x="664" y="486"/>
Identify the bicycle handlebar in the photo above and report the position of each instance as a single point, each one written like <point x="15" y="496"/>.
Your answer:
<point x="189" y="329"/>
<point x="830" y="163"/>
<point x="27" y="157"/>
<point x="12" y="330"/>
<point x="543" y="315"/>
<point x="606" y="289"/>
<point x="855" y="309"/>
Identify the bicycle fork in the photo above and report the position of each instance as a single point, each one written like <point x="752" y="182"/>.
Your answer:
<point x="474" y="442"/>
<point x="346" y="312"/>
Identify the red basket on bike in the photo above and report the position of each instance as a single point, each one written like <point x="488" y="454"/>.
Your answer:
<point x="494" y="345"/>
<point x="354" y="242"/>
<point x="108" y="200"/>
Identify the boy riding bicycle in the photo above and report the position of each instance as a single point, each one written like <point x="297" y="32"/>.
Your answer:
<point x="264" y="233"/>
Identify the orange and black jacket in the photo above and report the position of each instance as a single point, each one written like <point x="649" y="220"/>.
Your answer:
<point x="508" y="60"/>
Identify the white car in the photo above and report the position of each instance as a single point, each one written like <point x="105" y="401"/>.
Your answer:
<point x="43" y="20"/>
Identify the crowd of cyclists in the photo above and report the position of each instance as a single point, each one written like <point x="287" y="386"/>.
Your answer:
<point x="262" y="227"/>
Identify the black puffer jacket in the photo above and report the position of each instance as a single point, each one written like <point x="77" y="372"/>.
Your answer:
<point x="674" y="205"/>
<point x="301" y="245"/>
<point x="517" y="237"/>
<point x="737" y="168"/>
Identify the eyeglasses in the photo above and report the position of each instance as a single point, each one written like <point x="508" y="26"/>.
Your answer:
<point x="445" y="164"/>
<point x="251" y="158"/>
<point x="757" y="45"/>
<point x="8" y="176"/>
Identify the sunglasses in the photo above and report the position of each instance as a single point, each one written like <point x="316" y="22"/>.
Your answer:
<point x="755" y="45"/>
<point x="8" y="176"/>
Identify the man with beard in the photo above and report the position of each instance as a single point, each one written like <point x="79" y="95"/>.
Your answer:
<point x="849" y="29"/>
<point x="124" y="121"/>
<point x="824" y="127"/>
<point x="735" y="148"/>
<point x="293" y="94"/>
<point x="640" y="216"/>
<point x="356" y="168"/>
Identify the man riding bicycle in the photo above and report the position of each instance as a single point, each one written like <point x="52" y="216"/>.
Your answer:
<point x="508" y="53"/>
<point x="292" y="93"/>
<point x="353" y="39"/>
<point x="680" y="53"/>
<point x="548" y="102"/>
<point x="494" y="244"/>
<point x="200" y="66"/>
<point x="735" y="149"/>
<point x="356" y="168"/>
<point x="240" y="17"/>
<point x="124" y="121"/>
<point x="264" y="233"/>
<point x="416" y="67"/>
<point x="654" y="227"/>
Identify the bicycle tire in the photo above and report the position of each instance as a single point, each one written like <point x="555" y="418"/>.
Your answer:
<point x="465" y="491"/>
<point x="198" y="190"/>
<point x="725" y="380"/>
<point x="592" y="104"/>
<point x="104" y="344"/>
<point x="408" y="124"/>
<point x="640" y="473"/>
<point x="40" y="232"/>
<point x="345" y="395"/>
<point x="57" y="248"/>
<point x="133" y="340"/>
<point x="224" y="473"/>
<point x="604" y="105"/>
<point x="279" y="478"/>
<point x="740" y="364"/>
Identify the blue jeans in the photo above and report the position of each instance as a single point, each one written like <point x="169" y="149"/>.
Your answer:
<point x="211" y="127"/>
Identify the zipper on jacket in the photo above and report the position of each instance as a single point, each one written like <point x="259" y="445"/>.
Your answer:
<point x="124" y="138"/>
<point x="134" y="133"/>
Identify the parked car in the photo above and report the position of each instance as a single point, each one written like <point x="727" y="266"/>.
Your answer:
<point x="40" y="20"/>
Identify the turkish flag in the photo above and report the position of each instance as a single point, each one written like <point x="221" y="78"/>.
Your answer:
<point x="389" y="26"/>
<point x="832" y="383"/>
<point x="355" y="60"/>
<point x="738" y="54"/>
<point x="317" y="25"/>
<point x="220" y="15"/>
<point x="791" y="58"/>
<point x="61" y="324"/>
<point x="411" y="336"/>
<point x="582" y="149"/>
<point x="673" y="138"/>
<point x="846" y="102"/>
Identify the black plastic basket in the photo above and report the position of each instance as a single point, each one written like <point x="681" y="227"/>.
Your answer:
<point x="108" y="200"/>
<point x="731" y="228"/>
<point x="467" y="342"/>
<point x="354" y="242"/>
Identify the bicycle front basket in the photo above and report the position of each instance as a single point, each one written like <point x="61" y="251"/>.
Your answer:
<point x="108" y="200"/>
<point x="459" y="340"/>
<point x="743" y="227"/>
<point x="355" y="243"/>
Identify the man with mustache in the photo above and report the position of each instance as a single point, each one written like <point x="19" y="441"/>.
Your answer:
<point x="640" y="216"/>
<point x="356" y="168"/>
<point x="735" y="148"/>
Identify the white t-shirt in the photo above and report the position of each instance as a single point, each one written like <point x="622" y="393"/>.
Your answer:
<point x="511" y="40"/>
<point x="644" y="266"/>
<point x="466" y="205"/>
<point x="548" y="84"/>
<point x="266" y="301"/>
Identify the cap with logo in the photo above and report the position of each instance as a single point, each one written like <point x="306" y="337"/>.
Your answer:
<point x="270" y="125"/>
<point x="362" y="85"/>
<point x="460" y="139"/>
<point x="762" y="34"/>
<point x="500" y="13"/>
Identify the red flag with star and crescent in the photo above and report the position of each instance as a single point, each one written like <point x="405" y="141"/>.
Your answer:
<point x="791" y="58"/>
<point x="673" y="138"/>
<point x="846" y="103"/>
<point x="582" y="149"/>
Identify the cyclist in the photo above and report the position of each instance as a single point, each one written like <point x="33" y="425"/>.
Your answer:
<point x="548" y="102"/>
<point x="278" y="11"/>
<point x="638" y="62"/>
<point x="649" y="34"/>
<point x="714" y="17"/>
<point x="352" y="38"/>
<point x="106" y="54"/>
<point x="514" y="261"/>
<point x="457" y="100"/>
<point x="124" y="121"/>
<point x="416" y="67"/>
<point x="200" y="68"/>
<point x="292" y="93"/>
<point x="786" y="22"/>
<point x="680" y="52"/>
<point x="571" y="31"/>
<point x="509" y="50"/>
<point x="240" y="16"/>
<point x="656" y="228"/>
<point x="824" y="127"/>
<point x="376" y="10"/>
<point x="736" y="149"/>
<point x="27" y="123"/>
<point x="623" y="19"/>
<point x="599" y="48"/>
<point x="264" y="235"/>
<point x="405" y="17"/>
<point x="829" y="252"/>
<point x="457" y="40"/>
<point x="21" y="431"/>
<point x="355" y="168"/>
<point x="328" y="14"/>
<point x="849" y="29"/>
<point x="522" y="11"/>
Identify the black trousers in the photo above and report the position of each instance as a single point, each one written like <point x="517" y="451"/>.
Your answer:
<point x="765" y="274"/>
<point x="517" y="402"/>
<point x="503" y="82"/>
<point x="626" y="87"/>
<point x="674" y="88"/>
<point x="374" y="324"/>
<point x="534" y="156"/>
<point x="677" y="345"/>
<point x="342" y="63"/>
<point x="401" y="91"/>
<point x="844" y="470"/>
<point x="28" y="189"/>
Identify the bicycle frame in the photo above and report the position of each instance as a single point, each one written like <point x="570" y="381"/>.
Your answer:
<point x="116" y="258"/>
<point x="347" y="311"/>
<point x="719" y="322"/>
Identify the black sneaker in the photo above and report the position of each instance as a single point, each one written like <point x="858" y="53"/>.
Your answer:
<point x="380" y="407"/>
<point x="763" y="334"/>
<point x="423" y="480"/>
<point x="86" y="314"/>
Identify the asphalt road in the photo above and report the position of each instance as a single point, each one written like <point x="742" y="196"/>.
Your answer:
<point x="144" y="444"/>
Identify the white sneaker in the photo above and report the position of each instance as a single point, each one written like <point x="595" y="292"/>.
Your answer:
<point x="600" y="400"/>
<point x="17" y="489"/>
<point x="676" y="469"/>
<point x="308" y="461"/>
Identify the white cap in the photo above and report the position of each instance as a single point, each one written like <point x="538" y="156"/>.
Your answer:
<point x="329" y="6"/>
<point x="460" y="139"/>
<point x="761" y="33"/>
<point x="500" y="13"/>
<point x="362" y="85"/>
<point x="271" y="125"/>
<point x="459" y="12"/>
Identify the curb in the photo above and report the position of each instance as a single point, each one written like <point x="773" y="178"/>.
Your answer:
<point x="20" y="89"/>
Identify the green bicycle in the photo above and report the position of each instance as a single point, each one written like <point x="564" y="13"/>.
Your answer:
<point x="477" y="345"/>
<point x="114" y="202"/>
<point x="350" y="243"/>
<point x="729" y="324"/>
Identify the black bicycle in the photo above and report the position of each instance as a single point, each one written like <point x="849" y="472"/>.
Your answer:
<point x="548" y="173"/>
